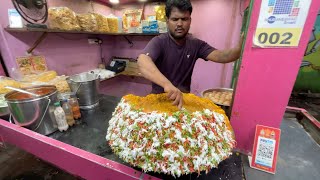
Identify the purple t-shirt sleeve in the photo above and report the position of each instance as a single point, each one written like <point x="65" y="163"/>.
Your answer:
<point x="153" y="49"/>
<point x="204" y="50"/>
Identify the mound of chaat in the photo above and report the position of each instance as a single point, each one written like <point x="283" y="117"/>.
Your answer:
<point x="150" y="133"/>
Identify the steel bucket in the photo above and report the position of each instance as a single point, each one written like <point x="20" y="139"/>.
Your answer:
<point x="86" y="88"/>
<point x="34" y="113"/>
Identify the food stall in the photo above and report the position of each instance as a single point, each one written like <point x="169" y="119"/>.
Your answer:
<point x="84" y="146"/>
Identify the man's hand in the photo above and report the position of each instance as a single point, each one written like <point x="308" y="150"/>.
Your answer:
<point x="174" y="94"/>
<point x="228" y="55"/>
<point x="151" y="72"/>
<point x="239" y="47"/>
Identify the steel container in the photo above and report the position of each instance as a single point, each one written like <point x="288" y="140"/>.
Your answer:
<point x="86" y="88"/>
<point x="34" y="113"/>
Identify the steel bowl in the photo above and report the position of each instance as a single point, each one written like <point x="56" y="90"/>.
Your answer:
<point x="219" y="90"/>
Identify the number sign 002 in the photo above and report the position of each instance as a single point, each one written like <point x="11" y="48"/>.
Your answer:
<point x="277" y="37"/>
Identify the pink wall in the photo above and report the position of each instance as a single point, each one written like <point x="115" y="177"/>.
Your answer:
<point x="4" y="49"/>
<point x="67" y="54"/>
<point x="212" y="23"/>
<point x="246" y="3"/>
<point x="1" y="71"/>
<point x="265" y="81"/>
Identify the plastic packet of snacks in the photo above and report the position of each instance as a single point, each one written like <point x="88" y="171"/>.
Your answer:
<point x="63" y="18"/>
<point x="30" y="84"/>
<point x="113" y="23"/>
<point x="160" y="12"/>
<point x="6" y="81"/>
<point x="102" y="22"/>
<point x="61" y="84"/>
<point x="131" y="19"/>
<point x="87" y="22"/>
<point x="41" y="77"/>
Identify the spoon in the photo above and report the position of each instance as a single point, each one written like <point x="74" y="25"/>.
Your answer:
<point x="22" y="91"/>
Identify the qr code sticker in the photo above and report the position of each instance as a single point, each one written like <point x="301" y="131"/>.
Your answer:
<point x="265" y="151"/>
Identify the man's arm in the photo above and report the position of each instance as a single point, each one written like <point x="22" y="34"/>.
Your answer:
<point x="226" y="56"/>
<point x="150" y="71"/>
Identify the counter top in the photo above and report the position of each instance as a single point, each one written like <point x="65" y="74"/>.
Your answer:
<point x="89" y="135"/>
<point x="91" y="131"/>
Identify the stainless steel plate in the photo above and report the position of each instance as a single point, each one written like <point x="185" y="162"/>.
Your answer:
<point x="218" y="90"/>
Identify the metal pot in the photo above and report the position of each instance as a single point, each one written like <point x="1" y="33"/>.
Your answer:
<point x="34" y="113"/>
<point x="86" y="88"/>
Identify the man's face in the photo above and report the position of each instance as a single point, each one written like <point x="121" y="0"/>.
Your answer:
<point x="179" y="23"/>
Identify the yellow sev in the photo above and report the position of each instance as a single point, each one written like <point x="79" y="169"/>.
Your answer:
<point x="161" y="103"/>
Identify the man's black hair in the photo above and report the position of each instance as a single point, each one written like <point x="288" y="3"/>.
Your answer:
<point x="182" y="5"/>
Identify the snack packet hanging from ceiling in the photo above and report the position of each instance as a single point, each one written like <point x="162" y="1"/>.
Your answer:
<point x="31" y="64"/>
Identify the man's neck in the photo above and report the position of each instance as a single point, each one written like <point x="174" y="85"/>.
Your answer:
<point x="179" y="42"/>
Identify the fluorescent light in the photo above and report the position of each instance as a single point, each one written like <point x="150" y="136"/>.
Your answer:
<point x="142" y="0"/>
<point x="114" y="1"/>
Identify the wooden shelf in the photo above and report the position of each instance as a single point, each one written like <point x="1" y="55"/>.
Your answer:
<point x="22" y="30"/>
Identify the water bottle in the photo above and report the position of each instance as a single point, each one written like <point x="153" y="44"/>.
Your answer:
<point x="68" y="111"/>
<point x="60" y="117"/>
<point x="75" y="107"/>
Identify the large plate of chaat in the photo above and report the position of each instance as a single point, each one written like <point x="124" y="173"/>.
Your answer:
<point x="154" y="135"/>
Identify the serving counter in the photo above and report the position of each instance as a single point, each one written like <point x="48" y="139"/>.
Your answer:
<point x="83" y="151"/>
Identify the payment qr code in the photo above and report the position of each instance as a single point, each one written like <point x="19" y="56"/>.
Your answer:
<point x="265" y="151"/>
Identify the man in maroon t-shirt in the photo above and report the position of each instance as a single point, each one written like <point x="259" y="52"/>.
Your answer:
<point x="168" y="60"/>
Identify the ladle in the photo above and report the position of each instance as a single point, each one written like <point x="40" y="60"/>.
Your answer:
<point x="22" y="91"/>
